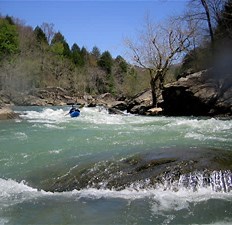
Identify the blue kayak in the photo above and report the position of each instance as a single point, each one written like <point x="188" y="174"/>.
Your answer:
<point x="75" y="113"/>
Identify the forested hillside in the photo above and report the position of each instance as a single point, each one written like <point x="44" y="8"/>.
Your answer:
<point x="199" y="39"/>
<point x="41" y="57"/>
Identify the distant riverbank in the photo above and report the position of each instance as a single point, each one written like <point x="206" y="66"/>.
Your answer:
<point x="197" y="94"/>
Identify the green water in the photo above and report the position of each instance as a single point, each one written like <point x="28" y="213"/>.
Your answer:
<point x="44" y="143"/>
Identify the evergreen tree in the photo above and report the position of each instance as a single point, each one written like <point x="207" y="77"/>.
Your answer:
<point x="84" y="56"/>
<point x="96" y="52"/>
<point x="9" y="42"/>
<point x="40" y="35"/>
<point x="58" y="37"/>
<point x="60" y="45"/>
<point x="76" y="54"/>
<point x="75" y="48"/>
<point x="106" y="62"/>
<point x="10" y="20"/>
<point x="121" y="63"/>
<point x="66" y="52"/>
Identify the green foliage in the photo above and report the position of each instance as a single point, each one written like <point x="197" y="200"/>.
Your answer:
<point x="58" y="38"/>
<point x="96" y="52"/>
<point x="106" y="62"/>
<point x="83" y="56"/>
<point x="60" y="46"/>
<point x="10" y="20"/>
<point x="66" y="51"/>
<point x="75" y="48"/>
<point x="9" y="42"/>
<point x="39" y="64"/>
<point x="57" y="48"/>
<point x="76" y="54"/>
<point x="122" y="64"/>
<point x="40" y="35"/>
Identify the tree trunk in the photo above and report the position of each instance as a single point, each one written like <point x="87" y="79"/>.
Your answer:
<point x="153" y="91"/>
<point x="157" y="84"/>
<point x="207" y="12"/>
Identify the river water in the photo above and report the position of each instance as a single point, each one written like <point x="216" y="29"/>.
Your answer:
<point x="45" y="143"/>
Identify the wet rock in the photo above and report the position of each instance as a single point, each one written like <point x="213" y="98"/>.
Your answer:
<point x="169" y="168"/>
<point x="115" y="111"/>
<point x="119" y="105"/>
<point x="7" y="113"/>
<point x="154" y="111"/>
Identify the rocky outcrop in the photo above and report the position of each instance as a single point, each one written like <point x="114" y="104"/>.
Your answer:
<point x="39" y="97"/>
<point x="199" y="94"/>
<point x="141" y="103"/>
<point x="7" y="113"/>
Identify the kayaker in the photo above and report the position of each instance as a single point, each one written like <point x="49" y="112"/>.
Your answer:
<point x="72" y="109"/>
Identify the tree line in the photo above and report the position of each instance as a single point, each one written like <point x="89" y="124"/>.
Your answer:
<point x="41" y="57"/>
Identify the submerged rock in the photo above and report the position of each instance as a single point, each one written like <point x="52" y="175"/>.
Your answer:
<point x="170" y="169"/>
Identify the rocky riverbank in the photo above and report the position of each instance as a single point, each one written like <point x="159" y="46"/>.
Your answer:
<point x="198" y="94"/>
<point x="140" y="104"/>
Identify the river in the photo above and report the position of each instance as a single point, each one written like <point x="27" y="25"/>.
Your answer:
<point x="45" y="144"/>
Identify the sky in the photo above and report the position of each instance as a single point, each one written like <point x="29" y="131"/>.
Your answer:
<point x="101" y="23"/>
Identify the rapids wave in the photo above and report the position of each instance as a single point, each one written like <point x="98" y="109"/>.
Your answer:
<point x="189" y="188"/>
<point x="131" y="169"/>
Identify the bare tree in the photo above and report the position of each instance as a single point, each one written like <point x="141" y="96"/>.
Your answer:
<point x="48" y="29"/>
<point x="157" y="48"/>
<point x="208" y="11"/>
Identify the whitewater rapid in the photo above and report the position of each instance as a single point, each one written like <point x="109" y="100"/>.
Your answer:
<point x="45" y="143"/>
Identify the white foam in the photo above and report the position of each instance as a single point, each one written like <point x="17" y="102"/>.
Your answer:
<point x="4" y="221"/>
<point x="202" y="129"/>
<point x="205" y="125"/>
<point x="55" y="151"/>
<point x="21" y="136"/>
<point x="203" y="137"/>
<point x="96" y="116"/>
<point x="99" y="115"/>
<point x="48" y="115"/>
<point x="12" y="192"/>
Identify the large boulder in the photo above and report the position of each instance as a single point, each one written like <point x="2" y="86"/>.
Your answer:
<point x="199" y="94"/>
<point x="140" y="103"/>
